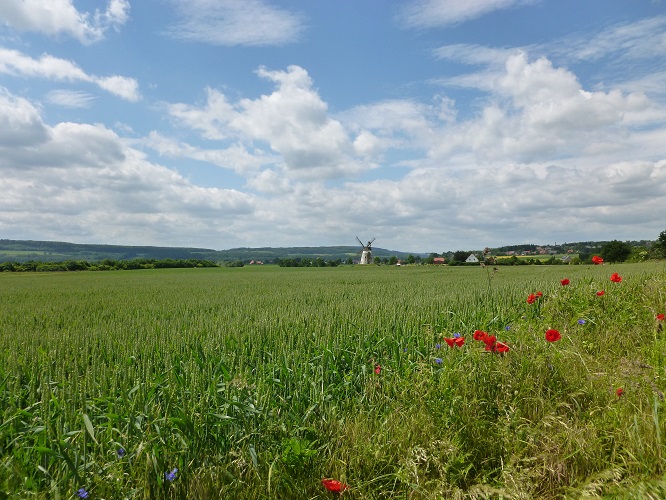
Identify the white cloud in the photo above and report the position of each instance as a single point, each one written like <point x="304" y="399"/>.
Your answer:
<point x="643" y="39"/>
<point x="55" y="17"/>
<point x="122" y="86"/>
<point x="74" y="181"/>
<point x="15" y="63"/>
<point x="231" y="23"/>
<point x="293" y="121"/>
<point x="20" y="122"/>
<point x="69" y="98"/>
<point x="433" y="13"/>
<point x="235" y="157"/>
<point x="537" y="111"/>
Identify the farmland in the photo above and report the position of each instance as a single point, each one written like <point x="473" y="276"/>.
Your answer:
<point x="258" y="382"/>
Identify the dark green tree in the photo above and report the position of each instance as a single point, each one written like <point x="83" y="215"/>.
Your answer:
<point x="615" y="251"/>
<point x="460" y="256"/>
<point x="661" y="244"/>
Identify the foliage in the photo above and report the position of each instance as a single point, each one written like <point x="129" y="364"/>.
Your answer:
<point x="616" y="251"/>
<point x="104" y="265"/>
<point x="213" y="383"/>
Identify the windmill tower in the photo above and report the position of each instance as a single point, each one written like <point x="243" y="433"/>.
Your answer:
<point x="366" y="251"/>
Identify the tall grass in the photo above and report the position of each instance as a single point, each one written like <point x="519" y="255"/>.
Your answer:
<point x="259" y="382"/>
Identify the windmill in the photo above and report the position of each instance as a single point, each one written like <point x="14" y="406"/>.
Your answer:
<point x="366" y="251"/>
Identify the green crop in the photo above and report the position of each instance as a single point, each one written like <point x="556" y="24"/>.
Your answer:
<point x="260" y="382"/>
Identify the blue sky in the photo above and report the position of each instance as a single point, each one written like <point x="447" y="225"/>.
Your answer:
<point x="431" y="125"/>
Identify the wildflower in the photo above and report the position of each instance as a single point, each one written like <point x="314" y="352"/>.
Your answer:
<point x="539" y="294"/>
<point x="438" y="361"/>
<point x="601" y="293"/>
<point x="531" y="298"/>
<point x="378" y="369"/>
<point x="334" y="485"/>
<point x="619" y="392"/>
<point x="438" y="345"/>
<point x="82" y="493"/>
<point x="565" y="281"/>
<point x="170" y="476"/>
<point x="479" y="335"/>
<point x="455" y="341"/>
<point x="597" y="260"/>
<point x="456" y="335"/>
<point x="500" y="347"/>
<point x="616" y="278"/>
<point x="121" y="452"/>
<point x="581" y="322"/>
<point x="661" y="317"/>
<point x="489" y="341"/>
<point x="553" y="335"/>
<point x="507" y="327"/>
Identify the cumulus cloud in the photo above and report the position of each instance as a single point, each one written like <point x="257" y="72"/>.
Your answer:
<point x="231" y="23"/>
<point x="235" y="157"/>
<point x="20" y="122"/>
<point x="433" y="13"/>
<point x="72" y="180"/>
<point x="293" y="120"/>
<point x="537" y="111"/>
<point x="13" y="62"/>
<point x="55" y="17"/>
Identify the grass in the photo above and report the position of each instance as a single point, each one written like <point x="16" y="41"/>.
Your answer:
<point x="259" y="382"/>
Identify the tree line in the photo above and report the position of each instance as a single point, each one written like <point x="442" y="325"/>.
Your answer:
<point x="104" y="265"/>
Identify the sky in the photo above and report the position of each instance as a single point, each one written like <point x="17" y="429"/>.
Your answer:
<point x="430" y="125"/>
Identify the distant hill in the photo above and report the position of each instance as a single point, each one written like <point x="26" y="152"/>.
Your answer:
<point x="56" y="251"/>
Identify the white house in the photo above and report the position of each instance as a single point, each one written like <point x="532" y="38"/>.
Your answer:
<point x="472" y="258"/>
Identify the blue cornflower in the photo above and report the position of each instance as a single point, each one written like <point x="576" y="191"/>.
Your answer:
<point x="120" y="452"/>
<point x="456" y="335"/>
<point x="82" y="493"/>
<point x="581" y="321"/>
<point x="170" y="476"/>
<point x="438" y="361"/>
<point x="507" y="327"/>
<point x="438" y="345"/>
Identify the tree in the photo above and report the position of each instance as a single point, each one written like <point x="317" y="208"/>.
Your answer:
<point x="460" y="256"/>
<point x="615" y="251"/>
<point x="661" y="243"/>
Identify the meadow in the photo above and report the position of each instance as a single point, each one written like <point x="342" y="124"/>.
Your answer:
<point x="259" y="382"/>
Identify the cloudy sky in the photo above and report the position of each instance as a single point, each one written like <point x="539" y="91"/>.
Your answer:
<point x="431" y="125"/>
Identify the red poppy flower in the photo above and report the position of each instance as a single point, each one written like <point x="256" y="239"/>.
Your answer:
<point x="553" y="335"/>
<point x="479" y="335"/>
<point x="500" y="347"/>
<point x="489" y="340"/>
<point x="455" y="341"/>
<point x="531" y="298"/>
<point x="619" y="392"/>
<point x="661" y="317"/>
<point x="616" y="278"/>
<point x="378" y="369"/>
<point x="565" y="281"/>
<point x="539" y="294"/>
<point x="334" y="485"/>
<point x="601" y="293"/>
<point x="597" y="260"/>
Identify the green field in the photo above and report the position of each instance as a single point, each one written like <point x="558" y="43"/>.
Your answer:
<point x="259" y="382"/>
